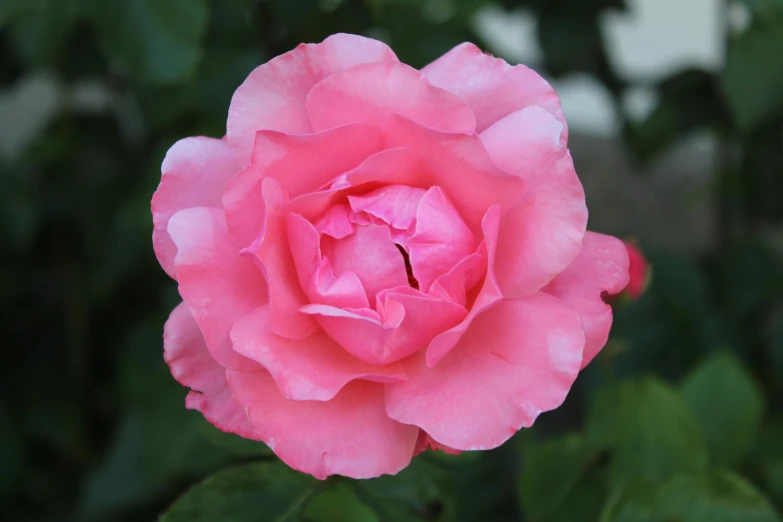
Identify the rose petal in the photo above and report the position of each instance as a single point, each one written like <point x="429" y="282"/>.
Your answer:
<point x="440" y="241"/>
<point x="455" y="284"/>
<point x="271" y="250"/>
<point x="459" y="164"/>
<point x="370" y="254"/>
<point x="602" y="266"/>
<point x="191" y="365"/>
<point x="300" y="164"/>
<point x="350" y="435"/>
<point x="407" y="320"/>
<point x="517" y="359"/>
<point x="486" y="297"/>
<point x="492" y="88"/>
<point x="386" y="167"/>
<point x="314" y="368"/>
<point x="425" y="442"/>
<point x="396" y="205"/>
<point x="370" y="92"/>
<point x="543" y="233"/>
<point x="273" y="95"/>
<point x="315" y="273"/>
<point x="194" y="173"/>
<point x="218" y="285"/>
<point x="336" y="222"/>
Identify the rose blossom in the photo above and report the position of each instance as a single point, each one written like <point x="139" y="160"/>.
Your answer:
<point x="376" y="260"/>
<point x="638" y="270"/>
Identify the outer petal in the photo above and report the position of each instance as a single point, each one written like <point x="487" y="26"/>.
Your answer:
<point x="272" y="251"/>
<point x="314" y="368"/>
<point x="370" y="92"/>
<point x="516" y="360"/>
<point x="491" y="87"/>
<point x="300" y="164"/>
<point x="194" y="174"/>
<point x="602" y="266"/>
<point x="408" y="321"/>
<point x="273" y="96"/>
<point x="486" y="297"/>
<point x="542" y="234"/>
<point x="218" y="285"/>
<point x="349" y="435"/>
<point x="459" y="164"/>
<point x="191" y="365"/>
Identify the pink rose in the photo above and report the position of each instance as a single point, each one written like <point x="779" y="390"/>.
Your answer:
<point x="376" y="259"/>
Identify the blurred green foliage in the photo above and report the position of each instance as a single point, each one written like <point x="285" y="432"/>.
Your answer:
<point x="679" y="419"/>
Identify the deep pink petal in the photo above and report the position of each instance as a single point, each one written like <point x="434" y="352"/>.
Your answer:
<point x="191" y="365"/>
<point x="396" y="205"/>
<point x="517" y="359"/>
<point x="425" y="442"/>
<point x="350" y="435"/>
<point x="314" y="368"/>
<point x="408" y="321"/>
<point x="459" y="164"/>
<point x="300" y="164"/>
<point x="370" y="254"/>
<point x="315" y="273"/>
<point x="273" y="253"/>
<point x="336" y="222"/>
<point x="369" y="93"/>
<point x="194" y="174"/>
<point x="455" y="284"/>
<point x="602" y="266"/>
<point x="488" y="295"/>
<point x="492" y="88"/>
<point x="273" y="95"/>
<point x="440" y="241"/>
<point x="218" y="285"/>
<point x="543" y="233"/>
<point x="343" y="291"/>
<point x="390" y="166"/>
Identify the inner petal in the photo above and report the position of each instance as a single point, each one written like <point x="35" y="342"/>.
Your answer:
<point x="394" y="204"/>
<point x="370" y="254"/>
<point x="441" y="238"/>
<point x="424" y="223"/>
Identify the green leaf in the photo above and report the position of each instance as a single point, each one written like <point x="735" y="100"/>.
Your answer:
<point x="249" y="493"/>
<point x="650" y="431"/>
<point x="156" y="42"/>
<point x="770" y="458"/>
<point x="158" y="442"/>
<point x="550" y="475"/>
<point x="751" y="80"/>
<point x="751" y="277"/>
<point x="39" y="27"/>
<point x="728" y="405"/>
<point x="720" y="496"/>
<point x="421" y="492"/>
<point x="338" y="504"/>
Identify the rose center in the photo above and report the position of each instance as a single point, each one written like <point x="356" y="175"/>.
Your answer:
<point x="408" y="268"/>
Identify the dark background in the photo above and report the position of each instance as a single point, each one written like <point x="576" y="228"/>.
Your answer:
<point x="678" y="420"/>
